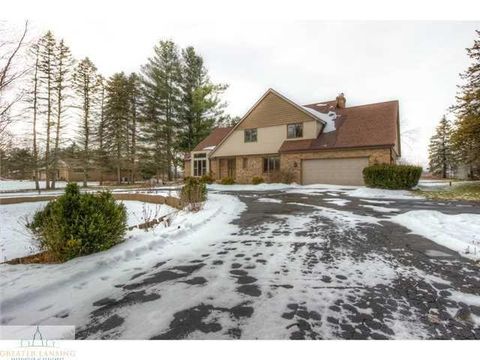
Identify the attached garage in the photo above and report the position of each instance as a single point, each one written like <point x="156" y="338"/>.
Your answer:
<point x="334" y="171"/>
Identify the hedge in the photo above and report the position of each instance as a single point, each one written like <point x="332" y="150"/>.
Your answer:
<point x="392" y="176"/>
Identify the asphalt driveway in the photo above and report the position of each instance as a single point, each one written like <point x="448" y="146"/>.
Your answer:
<point x="316" y="266"/>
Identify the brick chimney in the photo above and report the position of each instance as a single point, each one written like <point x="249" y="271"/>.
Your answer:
<point x="340" y="101"/>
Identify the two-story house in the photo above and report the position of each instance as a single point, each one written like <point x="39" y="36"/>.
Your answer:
<point x="325" y="142"/>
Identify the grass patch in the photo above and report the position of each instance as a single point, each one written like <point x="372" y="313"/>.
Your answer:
<point x="462" y="191"/>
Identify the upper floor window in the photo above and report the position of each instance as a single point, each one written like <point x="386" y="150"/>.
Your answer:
<point x="250" y="135"/>
<point x="294" y="131"/>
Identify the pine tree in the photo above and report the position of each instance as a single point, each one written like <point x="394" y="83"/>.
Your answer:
<point x="161" y="83"/>
<point x="33" y="99"/>
<point x="102" y="154"/>
<point x="441" y="154"/>
<point x="201" y="105"/>
<point x="466" y="135"/>
<point x="86" y="83"/>
<point x="64" y="64"/>
<point x="134" y="96"/>
<point x="47" y="73"/>
<point x="117" y="112"/>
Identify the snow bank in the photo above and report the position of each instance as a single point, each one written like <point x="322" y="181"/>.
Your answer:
<point x="365" y="192"/>
<point x="249" y="187"/>
<point x="460" y="233"/>
<point x="6" y="185"/>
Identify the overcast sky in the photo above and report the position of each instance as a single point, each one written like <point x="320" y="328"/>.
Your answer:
<point x="415" y="62"/>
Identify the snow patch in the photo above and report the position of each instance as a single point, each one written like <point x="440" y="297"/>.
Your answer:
<point x="328" y="118"/>
<point x="460" y="233"/>
<point x="269" y="200"/>
<point x="338" y="202"/>
<point x="380" y="208"/>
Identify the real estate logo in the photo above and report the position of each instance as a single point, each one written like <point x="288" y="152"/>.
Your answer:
<point x="36" y="342"/>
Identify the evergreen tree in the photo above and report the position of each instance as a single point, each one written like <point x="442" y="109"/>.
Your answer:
<point x="86" y="83"/>
<point x="201" y="105"/>
<point x="117" y="111"/>
<point x="64" y="64"/>
<point x="467" y="130"/>
<point x="102" y="153"/>
<point x="135" y="102"/>
<point x="161" y="84"/>
<point x="33" y="99"/>
<point x="440" y="152"/>
<point x="47" y="74"/>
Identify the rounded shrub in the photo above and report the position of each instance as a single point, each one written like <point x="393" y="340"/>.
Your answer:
<point x="207" y="179"/>
<point x="386" y="176"/>
<point x="227" y="181"/>
<point x="257" y="180"/>
<point x="78" y="224"/>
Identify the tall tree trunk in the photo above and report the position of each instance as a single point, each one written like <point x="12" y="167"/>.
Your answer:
<point x="57" y="136"/>
<point x="35" y="149"/>
<point x="49" y="125"/>
<point x="86" y="110"/>
<point x="133" y="145"/>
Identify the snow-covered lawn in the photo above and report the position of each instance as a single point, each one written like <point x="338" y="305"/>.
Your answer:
<point x="16" y="241"/>
<point x="460" y="233"/>
<point x="12" y="185"/>
<point x="33" y="291"/>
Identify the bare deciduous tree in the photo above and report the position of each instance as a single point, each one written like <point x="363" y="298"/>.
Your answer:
<point x="10" y="72"/>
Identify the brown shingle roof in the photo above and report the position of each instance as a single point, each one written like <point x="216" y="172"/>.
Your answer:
<point x="358" y="126"/>
<point x="213" y="139"/>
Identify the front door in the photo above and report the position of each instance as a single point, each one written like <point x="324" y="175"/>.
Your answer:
<point x="231" y="168"/>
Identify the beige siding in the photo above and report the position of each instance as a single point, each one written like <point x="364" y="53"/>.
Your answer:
<point x="273" y="110"/>
<point x="269" y="140"/>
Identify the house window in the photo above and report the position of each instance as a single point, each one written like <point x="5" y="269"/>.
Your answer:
<point x="250" y="135"/>
<point x="245" y="163"/>
<point x="199" y="164"/>
<point x="271" y="164"/>
<point x="294" y="131"/>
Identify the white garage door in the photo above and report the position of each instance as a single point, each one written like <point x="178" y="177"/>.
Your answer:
<point x="334" y="171"/>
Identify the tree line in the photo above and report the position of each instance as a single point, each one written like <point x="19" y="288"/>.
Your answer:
<point x="457" y="142"/>
<point x="139" y="123"/>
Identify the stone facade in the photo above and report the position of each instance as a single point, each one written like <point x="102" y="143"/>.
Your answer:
<point x="249" y="166"/>
<point x="292" y="162"/>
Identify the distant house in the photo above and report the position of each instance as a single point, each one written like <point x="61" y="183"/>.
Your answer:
<point x="323" y="142"/>
<point x="72" y="170"/>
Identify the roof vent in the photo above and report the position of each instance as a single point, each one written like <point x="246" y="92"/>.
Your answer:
<point x="340" y="101"/>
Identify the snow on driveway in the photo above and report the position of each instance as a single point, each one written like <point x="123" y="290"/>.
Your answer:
<point x="246" y="267"/>
<point x="460" y="232"/>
